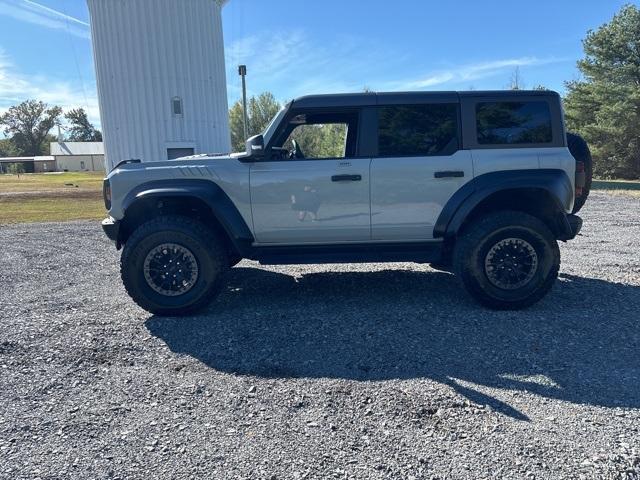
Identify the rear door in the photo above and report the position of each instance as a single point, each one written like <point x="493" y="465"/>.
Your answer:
<point x="320" y="194"/>
<point x="419" y="166"/>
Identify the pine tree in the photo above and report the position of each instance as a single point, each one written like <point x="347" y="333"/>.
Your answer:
<point x="604" y="106"/>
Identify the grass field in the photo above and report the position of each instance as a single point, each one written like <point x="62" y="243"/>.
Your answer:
<point x="51" y="181"/>
<point x="618" y="187"/>
<point x="51" y="197"/>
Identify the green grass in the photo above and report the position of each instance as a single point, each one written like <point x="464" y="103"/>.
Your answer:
<point x="51" y="181"/>
<point x="615" y="185"/>
<point x="53" y="209"/>
<point x="629" y="188"/>
<point x="51" y="197"/>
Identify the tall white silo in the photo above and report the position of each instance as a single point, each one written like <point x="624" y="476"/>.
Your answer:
<point x="161" y="78"/>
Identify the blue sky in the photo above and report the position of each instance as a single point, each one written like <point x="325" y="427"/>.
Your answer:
<point x="295" y="47"/>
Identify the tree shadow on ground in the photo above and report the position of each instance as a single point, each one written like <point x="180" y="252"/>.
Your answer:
<point x="580" y="344"/>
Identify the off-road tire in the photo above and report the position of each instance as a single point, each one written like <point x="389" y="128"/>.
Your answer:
<point x="200" y="241"/>
<point x="474" y="246"/>
<point x="580" y="151"/>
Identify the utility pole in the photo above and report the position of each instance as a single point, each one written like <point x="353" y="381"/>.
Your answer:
<point x="242" y="71"/>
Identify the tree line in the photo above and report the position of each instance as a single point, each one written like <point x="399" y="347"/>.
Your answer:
<point x="27" y="127"/>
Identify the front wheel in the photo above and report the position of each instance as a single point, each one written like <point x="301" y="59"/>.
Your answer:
<point x="173" y="265"/>
<point x="507" y="260"/>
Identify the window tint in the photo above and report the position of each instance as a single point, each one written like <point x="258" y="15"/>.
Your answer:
<point x="418" y="130"/>
<point x="505" y="123"/>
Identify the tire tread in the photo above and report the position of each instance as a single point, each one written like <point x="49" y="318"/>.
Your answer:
<point x="185" y="225"/>
<point x="474" y="235"/>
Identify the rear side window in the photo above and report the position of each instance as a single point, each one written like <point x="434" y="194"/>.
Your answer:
<point x="509" y="123"/>
<point x="418" y="130"/>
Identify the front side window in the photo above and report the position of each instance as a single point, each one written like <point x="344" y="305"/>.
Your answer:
<point x="320" y="136"/>
<point x="508" y="123"/>
<point x="418" y="130"/>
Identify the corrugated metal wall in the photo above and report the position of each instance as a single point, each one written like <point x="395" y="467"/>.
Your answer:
<point x="146" y="53"/>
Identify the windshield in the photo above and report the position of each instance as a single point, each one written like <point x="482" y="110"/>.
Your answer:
<point x="273" y="124"/>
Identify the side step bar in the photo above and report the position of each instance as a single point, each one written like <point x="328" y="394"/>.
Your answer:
<point x="423" y="252"/>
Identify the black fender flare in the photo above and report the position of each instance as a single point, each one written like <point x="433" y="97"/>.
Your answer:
<point x="470" y="195"/>
<point x="222" y="208"/>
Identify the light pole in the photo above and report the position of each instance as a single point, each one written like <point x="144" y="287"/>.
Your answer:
<point x="242" y="71"/>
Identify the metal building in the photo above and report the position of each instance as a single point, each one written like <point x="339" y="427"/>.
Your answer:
<point x="161" y="78"/>
<point x="78" y="156"/>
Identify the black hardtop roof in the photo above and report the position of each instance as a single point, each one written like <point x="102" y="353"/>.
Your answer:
<point x="398" y="98"/>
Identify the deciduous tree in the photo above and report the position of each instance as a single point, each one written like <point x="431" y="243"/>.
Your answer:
<point x="260" y="111"/>
<point x="28" y="124"/>
<point x="80" y="128"/>
<point x="7" y="149"/>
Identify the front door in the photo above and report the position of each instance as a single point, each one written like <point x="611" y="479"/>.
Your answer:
<point x="313" y="188"/>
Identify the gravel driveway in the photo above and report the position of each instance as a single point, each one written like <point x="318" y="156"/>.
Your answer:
<point x="343" y="371"/>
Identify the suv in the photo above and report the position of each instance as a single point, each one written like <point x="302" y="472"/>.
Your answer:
<point x="479" y="183"/>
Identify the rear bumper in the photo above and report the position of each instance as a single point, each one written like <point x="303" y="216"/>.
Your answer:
<point x="111" y="229"/>
<point x="575" y="225"/>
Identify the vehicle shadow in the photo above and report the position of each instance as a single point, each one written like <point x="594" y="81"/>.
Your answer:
<point x="580" y="344"/>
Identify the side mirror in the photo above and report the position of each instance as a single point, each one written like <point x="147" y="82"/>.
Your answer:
<point x="255" y="146"/>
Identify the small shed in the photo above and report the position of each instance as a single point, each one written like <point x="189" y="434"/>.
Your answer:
<point x="78" y="156"/>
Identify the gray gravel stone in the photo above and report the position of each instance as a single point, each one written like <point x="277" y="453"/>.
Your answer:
<point x="331" y="371"/>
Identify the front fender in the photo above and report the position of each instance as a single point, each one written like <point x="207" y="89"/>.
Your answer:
<point x="209" y="192"/>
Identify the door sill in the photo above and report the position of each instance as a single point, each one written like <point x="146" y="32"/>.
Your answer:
<point x="418" y="252"/>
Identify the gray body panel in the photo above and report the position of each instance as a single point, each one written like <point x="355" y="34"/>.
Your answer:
<point x="296" y="201"/>
<point x="407" y="198"/>
<point x="231" y="175"/>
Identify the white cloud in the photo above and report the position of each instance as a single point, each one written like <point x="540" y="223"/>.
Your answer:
<point x="474" y="71"/>
<point x="33" y="12"/>
<point x="289" y="64"/>
<point x="16" y="87"/>
<point x="270" y="56"/>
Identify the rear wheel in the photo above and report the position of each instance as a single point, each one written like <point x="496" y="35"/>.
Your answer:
<point x="507" y="260"/>
<point x="173" y="265"/>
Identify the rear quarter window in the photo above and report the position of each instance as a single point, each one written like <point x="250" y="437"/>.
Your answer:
<point x="513" y="123"/>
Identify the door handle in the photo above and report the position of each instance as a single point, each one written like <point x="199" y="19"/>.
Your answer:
<point x="449" y="174"/>
<point x="346" y="178"/>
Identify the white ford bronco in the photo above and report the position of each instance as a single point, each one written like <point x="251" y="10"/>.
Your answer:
<point x="482" y="184"/>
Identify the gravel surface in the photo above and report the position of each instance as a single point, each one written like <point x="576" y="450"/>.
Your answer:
<point x="344" y="371"/>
